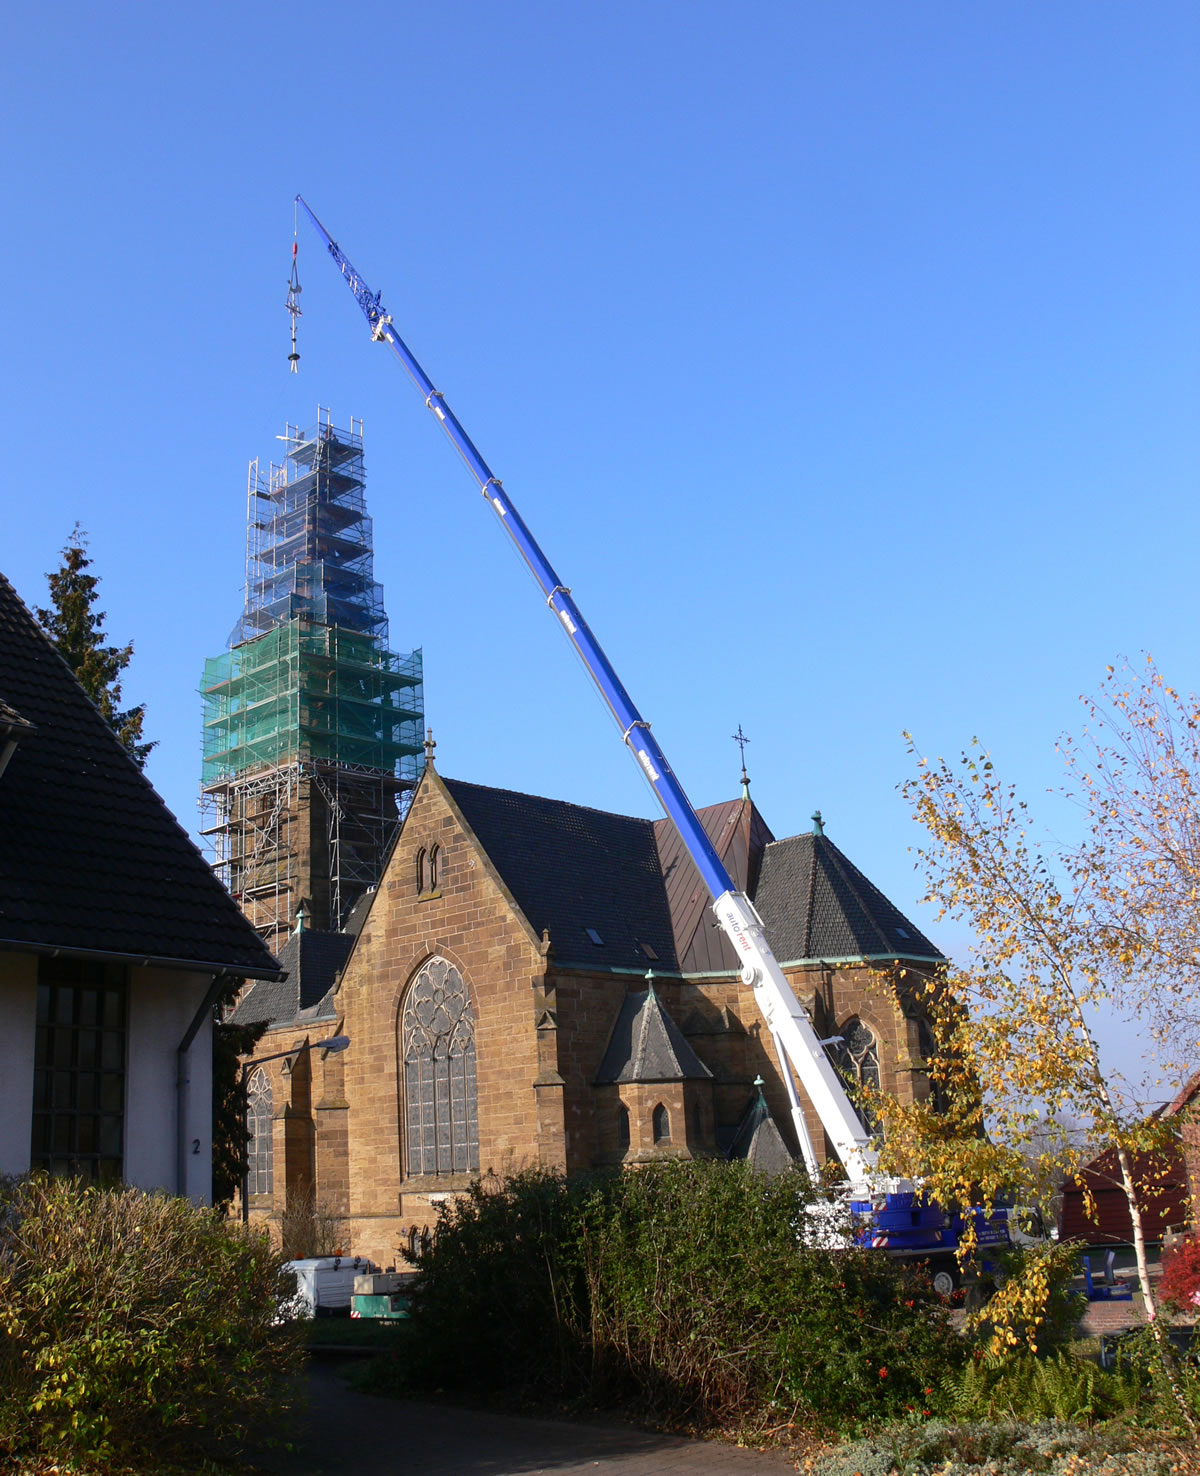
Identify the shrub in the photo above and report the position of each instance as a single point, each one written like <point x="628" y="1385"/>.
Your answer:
<point x="134" y="1325"/>
<point x="686" y="1287"/>
<point x="1035" y="1305"/>
<point x="1007" y="1449"/>
<point x="1058" y="1387"/>
<point x="1180" y="1284"/>
<point x="308" y="1227"/>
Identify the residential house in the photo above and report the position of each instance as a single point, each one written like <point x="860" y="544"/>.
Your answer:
<point x="115" y="941"/>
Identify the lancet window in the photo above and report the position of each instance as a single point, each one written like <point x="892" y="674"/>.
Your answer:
<point x="437" y="1039"/>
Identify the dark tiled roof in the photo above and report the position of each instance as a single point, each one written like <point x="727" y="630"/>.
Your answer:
<point x="570" y="869"/>
<point x="647" y="1045"/>
<point x="12" y="722"/>
<point x="817" y="904"/>
<point x="91" y="860"/>
<point x="313" y="961"/>
<point x="759" y="1141"/>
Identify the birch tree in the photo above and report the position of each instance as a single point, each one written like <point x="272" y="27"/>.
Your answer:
<point x="1016" y="1070"/>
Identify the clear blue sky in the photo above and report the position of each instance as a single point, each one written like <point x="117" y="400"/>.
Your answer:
<point x="844" y="358"/>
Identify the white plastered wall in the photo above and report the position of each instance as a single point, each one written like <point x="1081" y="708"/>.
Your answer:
<point x="162" y="1004"/>
<point x="18" y="1022"/>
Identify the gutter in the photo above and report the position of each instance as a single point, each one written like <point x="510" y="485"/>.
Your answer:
<point x="595" y="967"/>
<point x="146" y="960"/>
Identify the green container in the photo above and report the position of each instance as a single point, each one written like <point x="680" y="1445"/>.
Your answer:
<point x="389" y="1307"/>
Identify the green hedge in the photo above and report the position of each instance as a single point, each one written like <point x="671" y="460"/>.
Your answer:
<point x="135" y="1327"/>
<point x="688" y="1288"/>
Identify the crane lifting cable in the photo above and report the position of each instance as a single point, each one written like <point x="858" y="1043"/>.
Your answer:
<point x="293" y="307"/>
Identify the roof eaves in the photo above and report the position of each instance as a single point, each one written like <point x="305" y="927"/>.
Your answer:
<point x="191" y="965"/>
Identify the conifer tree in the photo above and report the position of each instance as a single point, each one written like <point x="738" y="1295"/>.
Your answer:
<point x="77" y="630"/>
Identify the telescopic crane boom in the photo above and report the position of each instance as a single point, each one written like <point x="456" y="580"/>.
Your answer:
<point x="795" y="1040"/>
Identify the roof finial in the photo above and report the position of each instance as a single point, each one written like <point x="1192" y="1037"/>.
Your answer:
<point x="818" y="823"/>
<point x="300" y="918"/>
<point x="759" y="1083"/>
<point x="430" y="745"/>
<point x="650" y="981"/>
<point x="741" y="740"/>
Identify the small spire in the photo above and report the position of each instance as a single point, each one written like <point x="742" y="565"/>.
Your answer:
<point x="741" y="740"/>
<point x="650" y="981"/>
<point x="430" y="745"/>
<point x="300" y="918"/>
<point x="818" y="823"/>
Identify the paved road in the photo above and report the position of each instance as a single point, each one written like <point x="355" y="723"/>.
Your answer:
<point x="346" y="1433"/>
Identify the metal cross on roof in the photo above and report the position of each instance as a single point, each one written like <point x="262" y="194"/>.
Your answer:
<point x="741" y="740"/>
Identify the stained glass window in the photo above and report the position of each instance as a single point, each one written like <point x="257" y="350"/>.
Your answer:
<point x="438" y="1047"/>
<point x="259" y="1112"/>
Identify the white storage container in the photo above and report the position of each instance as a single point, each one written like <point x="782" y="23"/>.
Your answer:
<point x="326" y="1283"/>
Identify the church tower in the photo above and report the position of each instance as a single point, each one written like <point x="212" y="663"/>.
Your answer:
<point x="312" y="725"/>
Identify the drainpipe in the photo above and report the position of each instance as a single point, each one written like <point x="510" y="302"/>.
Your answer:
<point x="183" y="1079"/>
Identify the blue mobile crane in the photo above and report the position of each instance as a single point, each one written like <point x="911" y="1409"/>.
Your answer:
<point x="895" y="1215"/>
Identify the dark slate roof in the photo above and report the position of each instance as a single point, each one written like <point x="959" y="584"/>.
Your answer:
<point x="91" y="860"/>
<point x="647" y="1045"/>
<point x="313" y="961"/>
<point x="816" y="904"/>
<point x="570" y="869"/>
<point x="759" y="1141"/>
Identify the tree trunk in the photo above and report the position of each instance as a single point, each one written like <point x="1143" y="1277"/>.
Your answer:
<point x="1139" y="1249"/>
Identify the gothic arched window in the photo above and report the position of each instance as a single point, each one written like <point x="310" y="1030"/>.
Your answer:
<point x="422" y="866"/>
<point x="662" y="1124"/>
<point x="856" y="1057"/>
<point x="435" y="861"/>
<point x="260" y="1178"/>
<point x="437" y="1041"/>
<point x="622" y="1127"/>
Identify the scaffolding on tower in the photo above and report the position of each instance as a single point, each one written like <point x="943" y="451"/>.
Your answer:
<point x="312" y="725"/>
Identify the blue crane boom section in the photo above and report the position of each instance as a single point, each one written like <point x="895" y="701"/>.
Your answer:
<point x="796" y="1041"/>
<point x="635" y="730"/>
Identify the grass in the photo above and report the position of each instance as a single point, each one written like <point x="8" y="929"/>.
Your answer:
<point x="371" y="1334"/>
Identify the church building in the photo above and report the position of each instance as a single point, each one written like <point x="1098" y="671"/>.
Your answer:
<point x="536" y="982"/>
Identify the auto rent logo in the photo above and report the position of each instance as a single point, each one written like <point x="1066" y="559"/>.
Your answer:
<point x="739" y="933"/>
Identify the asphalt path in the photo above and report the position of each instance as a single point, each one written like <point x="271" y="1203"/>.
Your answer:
<point x="347" y="1433"/>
